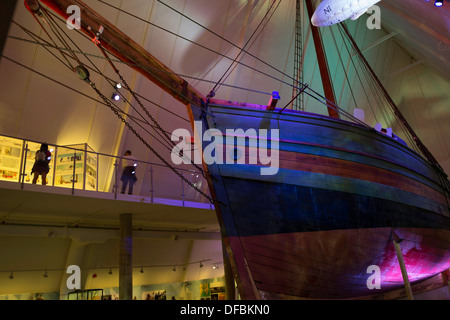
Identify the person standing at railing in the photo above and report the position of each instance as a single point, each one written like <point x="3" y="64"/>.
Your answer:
<point x="41" y="167"/>
<point x="129" y="164"/>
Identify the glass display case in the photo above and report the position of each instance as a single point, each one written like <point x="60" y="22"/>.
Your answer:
<point x="10" y="158"/>
<point x="76" y="166"/>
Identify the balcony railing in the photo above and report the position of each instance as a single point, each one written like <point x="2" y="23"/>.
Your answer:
<point x="78" y="167"/>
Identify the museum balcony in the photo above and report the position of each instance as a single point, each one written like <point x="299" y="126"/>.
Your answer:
<point x="83" y="190"/>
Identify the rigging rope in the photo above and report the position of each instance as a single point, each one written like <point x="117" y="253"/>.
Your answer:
<point x="92" y="84"/>
<point x="81" y="72"/>
<point x="209" y="49"/>
<point x="304" y="87"/>
<point x="54" y="26"/>
<point x="175" y="149"/>
<point x="109" y="80"/>
<point x="223" y="78"/>
<point x="396" y="111"/>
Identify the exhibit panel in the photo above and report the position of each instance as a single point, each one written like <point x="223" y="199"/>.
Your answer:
<point x="76" y="166"/>
<point x="17" y="158"/>
<point x="73" y="166"/>
<point x="10" y="156"/>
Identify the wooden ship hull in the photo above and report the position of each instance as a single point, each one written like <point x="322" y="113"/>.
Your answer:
<point x="313" y="229"/>
<point x="342" y="192"/>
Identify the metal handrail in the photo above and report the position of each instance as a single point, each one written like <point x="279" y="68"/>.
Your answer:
<point x="97" y="156"/>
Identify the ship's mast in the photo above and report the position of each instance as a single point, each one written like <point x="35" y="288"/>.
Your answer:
<point x="297" y="103"/>
<point x="323" y="65"/>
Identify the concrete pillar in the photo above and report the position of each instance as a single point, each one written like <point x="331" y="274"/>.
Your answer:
<point x="125" y="257"/>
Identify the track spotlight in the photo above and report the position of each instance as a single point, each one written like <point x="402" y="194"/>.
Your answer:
<point x="174" y="269"/>
<point x="118" y="85"/>
<point x="11" y="276"/>
<point x="142" y="270"/>
<point x="201" y="265"/>
<point x="45" y="274"/>
<point x="439" y="3"/>
<point x="116" y="96"/>
<point x="110" y="271"/>
<point x="215" y="266"/>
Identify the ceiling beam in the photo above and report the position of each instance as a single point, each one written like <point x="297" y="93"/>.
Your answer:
<point x="379" y="41"/>
<point x="99" y="235"/>
<point x="409" y="66"/>
<point x="417" y="23"/>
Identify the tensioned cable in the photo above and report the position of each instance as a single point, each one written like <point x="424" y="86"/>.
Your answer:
<point x="254" y="40"/>
<point x="34" y="36"/>
<point x="171" y="73"/>
<point x="343" y="68"/>
<point x="175" y="150"/>
<point x="114" y="109"/>
<point x="111" y="81"/>
<point x="375" y="90"/>
<point x="92" y="55"/>
<point x="54" y="27"/>
<point x="356" y="70"/>
<point x="217" y="35"/>
<point x="133" y="64"/>
<point x="158" y="129"/>
<point x="428" y="155"/>
<point x="213" y="201"/>
<point x="74" y="90"/>
<point x="223" y="78"/>
<point x="64" y="85"/>
<point x="193" y="103"/>
<point x="318" y="96"/>
<point x="31" y="34"/>
<point x="50" y="37"/>
<point x="204" y="47"/>
<point x="60" y="35"/>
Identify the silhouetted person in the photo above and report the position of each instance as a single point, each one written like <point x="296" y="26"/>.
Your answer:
<point x="41" y="167"/>
<point x="129" y="164"/>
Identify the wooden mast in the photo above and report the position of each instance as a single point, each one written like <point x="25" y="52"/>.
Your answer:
<point x="323" y="65"/>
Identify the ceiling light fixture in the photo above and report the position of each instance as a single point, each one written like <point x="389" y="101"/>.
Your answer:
<point x="142" y="270"/>
<point x="116" y="96"/>
<point x="110" y="271"/>
<point x="45" y="274"/>
<point x="11" y="276"/>
<point x="439" y="3"/>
